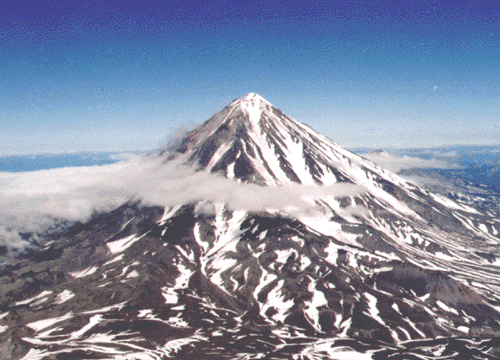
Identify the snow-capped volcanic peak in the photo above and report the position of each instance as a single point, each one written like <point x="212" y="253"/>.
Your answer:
<point x="253" y="141"/>
<point x="254" y="99"/>
<point x="253" y="105"/>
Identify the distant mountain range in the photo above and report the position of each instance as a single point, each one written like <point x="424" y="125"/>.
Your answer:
<point x="319" y="254"/>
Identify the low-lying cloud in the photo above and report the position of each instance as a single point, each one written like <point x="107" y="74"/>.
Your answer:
<point x="35" y="201"/>
<point x="398" y="163"/>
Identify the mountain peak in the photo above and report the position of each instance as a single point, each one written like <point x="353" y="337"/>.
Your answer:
<point x="253" y="97"/>
<point x="253" y="141"/>
<point x="253" y="105"/>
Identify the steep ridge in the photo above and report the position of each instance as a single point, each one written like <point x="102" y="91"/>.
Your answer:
<point x="373" y="265"/>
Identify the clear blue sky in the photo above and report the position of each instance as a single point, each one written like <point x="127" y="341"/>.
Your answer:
<point x="98" y="76"/>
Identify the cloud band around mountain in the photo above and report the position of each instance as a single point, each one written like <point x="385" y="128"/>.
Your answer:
<point x="35" y="201"/>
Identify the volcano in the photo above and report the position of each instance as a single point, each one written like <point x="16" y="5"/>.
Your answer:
<point x="357" y="263"/>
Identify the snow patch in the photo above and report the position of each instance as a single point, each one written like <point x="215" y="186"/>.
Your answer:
<point x="113" y="260"/>
<point x="332" y="251"/>
<point x="181" y="282"/>
<point x="283" y="255"/>
<point x="168" y="212"/>
<point x="276" y="300"/>
<point x="63" y="297"/>
<point x="106" y="309"/>
<point x="132" y="274"/>
<point x="120" y="245"/>
<point x="83" y="273"/>
<point x="311" y="307"/>
<point x="93" y="321"/>
<point x="445" y="307"/>
<point x="304" y="263"/>
<point x="372" y="308"/>
<point x="40" y="296"/>
<point x="43" y="324"/>
<point x="450" y="204"/>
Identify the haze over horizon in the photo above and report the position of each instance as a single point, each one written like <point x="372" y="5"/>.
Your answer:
<point x="121" y="76"/>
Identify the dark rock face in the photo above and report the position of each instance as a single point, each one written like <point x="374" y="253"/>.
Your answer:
<point x="392" y="271"/>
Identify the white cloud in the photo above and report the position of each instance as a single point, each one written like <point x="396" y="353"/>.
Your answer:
<point x="441" y="153"/>
<point x="121" y="156"/>
<point x="34" y="201"/>
<point x="10" y="239"/>
<point x="174" y="138"/>
<point x="398" y="163"/>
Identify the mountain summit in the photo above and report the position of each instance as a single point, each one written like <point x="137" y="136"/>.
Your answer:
<point x="253" y="141"/>
<point x="364" y="263"/>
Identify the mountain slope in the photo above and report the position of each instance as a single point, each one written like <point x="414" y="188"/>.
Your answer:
<point x="364" y="262"/>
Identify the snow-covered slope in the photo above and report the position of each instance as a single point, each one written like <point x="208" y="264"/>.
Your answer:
<point x="373" y="267"/>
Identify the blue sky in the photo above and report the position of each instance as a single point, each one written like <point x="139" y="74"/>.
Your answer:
<point x="104" y="76"/>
